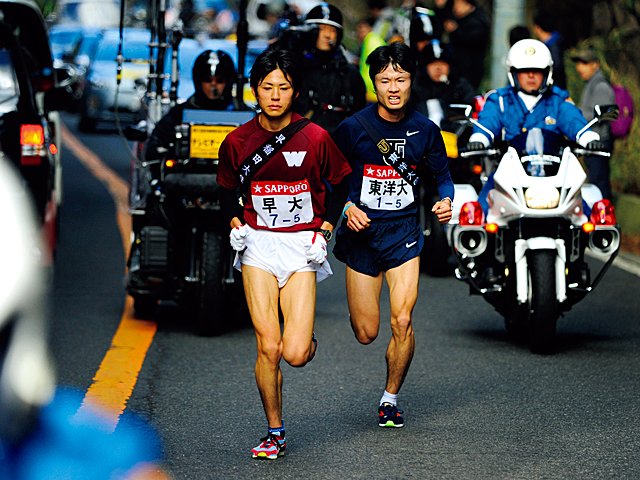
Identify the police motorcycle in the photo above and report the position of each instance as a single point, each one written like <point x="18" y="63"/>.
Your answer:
<point x="180" y="248"/>
<point x="527" y="256"/>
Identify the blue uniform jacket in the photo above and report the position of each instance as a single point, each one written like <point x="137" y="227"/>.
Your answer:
<point x="416" y="139"/>
<point x="505" y="110"/>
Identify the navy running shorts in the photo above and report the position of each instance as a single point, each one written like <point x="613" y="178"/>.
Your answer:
<point x="386" y="244"/>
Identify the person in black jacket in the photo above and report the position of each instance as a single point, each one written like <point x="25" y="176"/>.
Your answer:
<point x="468" y="29"/>
<point x="213" y="75"/>
<point x="436" y="86"/>
<point x="332" y="88"/>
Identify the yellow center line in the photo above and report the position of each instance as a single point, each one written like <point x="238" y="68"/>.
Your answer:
<point x="117" y="375"/>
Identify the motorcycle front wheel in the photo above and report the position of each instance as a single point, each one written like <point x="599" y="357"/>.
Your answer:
<point x="543" y="313"/>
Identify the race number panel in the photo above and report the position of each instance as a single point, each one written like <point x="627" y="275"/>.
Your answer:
<point x="384" y="189"/>
<point x="282" y="204"/>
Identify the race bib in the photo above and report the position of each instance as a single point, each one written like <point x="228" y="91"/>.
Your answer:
<point x="282" y="204"/>
<point x="384" y="189"/>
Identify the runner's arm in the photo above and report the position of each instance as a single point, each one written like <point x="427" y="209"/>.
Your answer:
<point x="231" y="208"/>
<point x="335" y="200"/>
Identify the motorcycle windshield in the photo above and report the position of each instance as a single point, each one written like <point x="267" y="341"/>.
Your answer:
<point x="540" y="151"/>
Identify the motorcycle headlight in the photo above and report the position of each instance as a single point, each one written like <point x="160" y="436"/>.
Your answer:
<point x="542" y="196"/>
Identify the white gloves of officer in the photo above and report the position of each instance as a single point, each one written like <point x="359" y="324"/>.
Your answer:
<point x="237" y="237"/>
<point x="317" y="252"/>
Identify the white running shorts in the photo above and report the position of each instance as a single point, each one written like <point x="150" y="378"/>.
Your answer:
<point x="281" y="254"/>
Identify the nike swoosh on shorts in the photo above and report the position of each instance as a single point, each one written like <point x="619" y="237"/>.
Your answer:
<point x="409" y="245"/>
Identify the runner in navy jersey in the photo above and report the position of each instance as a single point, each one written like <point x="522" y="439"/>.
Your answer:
<point x="380" y="232"/>
<point x="294" y="185"/>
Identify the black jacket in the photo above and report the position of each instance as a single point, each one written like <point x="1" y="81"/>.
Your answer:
<point x="457" y="90"/>
<point x="332" y="88"/>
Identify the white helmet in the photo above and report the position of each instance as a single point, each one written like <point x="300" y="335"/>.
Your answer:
<point x="529" y="54"/>
<point x="26" y="372"/>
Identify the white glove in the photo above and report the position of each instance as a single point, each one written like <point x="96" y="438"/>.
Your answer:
<point x="237" y="237"/>
<point x="317" y="252"/>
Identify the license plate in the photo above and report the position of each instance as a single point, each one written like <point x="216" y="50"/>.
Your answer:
<point x="205" y="140"/>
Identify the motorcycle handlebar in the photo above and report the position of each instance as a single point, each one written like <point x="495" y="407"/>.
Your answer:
<point x="593" y="153"/>
<point x="489" y="152"/>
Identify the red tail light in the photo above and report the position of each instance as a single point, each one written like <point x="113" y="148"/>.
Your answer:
<point x="603" y="213"/>
<point x="471" y="214"/>
<point x="31" y="144"/>
<point x="31" y="135"/>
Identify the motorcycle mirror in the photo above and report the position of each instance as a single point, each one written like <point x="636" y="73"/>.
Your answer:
<point x="135" y="133"/>
<point x="606" y="112"/>
<point x="459" y="111"/>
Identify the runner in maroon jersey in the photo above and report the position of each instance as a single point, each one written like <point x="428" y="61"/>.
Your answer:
<point x="294" y="184"/>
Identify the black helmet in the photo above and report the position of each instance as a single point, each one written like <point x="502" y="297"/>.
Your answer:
<point x="327" y="15"/>
<point x="436" y="51"/>
<point x="211" y="64"/>
<point x="324" y="13"/>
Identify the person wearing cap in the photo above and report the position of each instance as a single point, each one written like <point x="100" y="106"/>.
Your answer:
<point x="436" y="86"/>
<point x="332" y="87"/>
<point x="529" y="101"/>
<point x="597" y="91"/>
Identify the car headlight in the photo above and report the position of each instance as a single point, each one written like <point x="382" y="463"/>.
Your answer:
<point x="542" y="196"/>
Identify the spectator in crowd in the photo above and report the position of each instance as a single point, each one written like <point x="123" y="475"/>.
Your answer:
<point x="332" y="87"/>
<point x="468" y="29"/>
<point x="544" y="29"/>
<point x="369" y="41"/>
<point x="436" y="87"/>
<point x="597" y="91"/>
<point x="517" y="33"/>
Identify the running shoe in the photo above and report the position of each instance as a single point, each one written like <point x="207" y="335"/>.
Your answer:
<point x="271" y="447"/>
<point x="390" y="416"/>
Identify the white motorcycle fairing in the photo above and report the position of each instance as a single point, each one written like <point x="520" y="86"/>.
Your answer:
<point x="507" y="201"/>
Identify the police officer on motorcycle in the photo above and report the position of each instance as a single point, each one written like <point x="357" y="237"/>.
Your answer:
<point x="332" y="87"/>
<point x="213" y="75"/>
<point x="530" y="101"/>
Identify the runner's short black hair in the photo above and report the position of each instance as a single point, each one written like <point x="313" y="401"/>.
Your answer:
<point x="396" y="54"/>
<point x="274" y="59"/>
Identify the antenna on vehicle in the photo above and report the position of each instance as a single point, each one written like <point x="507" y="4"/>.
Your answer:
<point x="242" y="39"/>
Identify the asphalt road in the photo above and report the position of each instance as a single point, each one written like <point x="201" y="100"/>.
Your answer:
<point x="476" y="405"/>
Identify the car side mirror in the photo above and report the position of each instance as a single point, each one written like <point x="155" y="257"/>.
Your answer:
<point x="606" y="112"/>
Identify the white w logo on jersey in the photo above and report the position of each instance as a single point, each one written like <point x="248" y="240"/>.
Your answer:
<point x="294" y="159"/>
